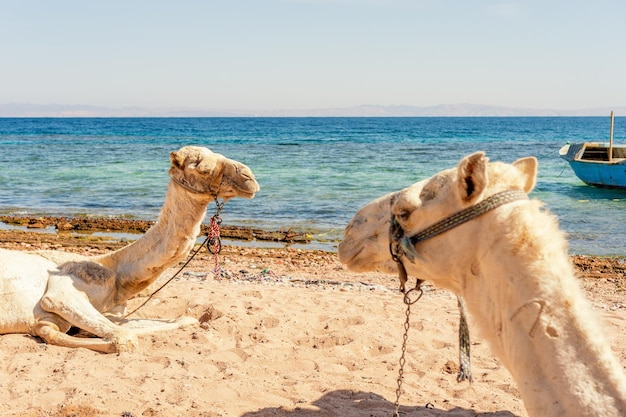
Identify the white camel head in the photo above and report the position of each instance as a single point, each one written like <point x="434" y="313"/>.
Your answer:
<point x="366" y="243"/>
<point x="204" y="172"/>
<point x="509" y="263"/>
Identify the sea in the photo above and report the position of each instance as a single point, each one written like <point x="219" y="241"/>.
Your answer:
<point x="314" y="173"/>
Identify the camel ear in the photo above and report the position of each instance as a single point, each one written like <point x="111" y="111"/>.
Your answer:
<point x="528" y="167"/>
<point x="472" y="176"/>
<point x="177" y="160"/>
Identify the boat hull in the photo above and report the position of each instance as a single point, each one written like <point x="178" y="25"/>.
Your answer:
<point x="596" y="172"/>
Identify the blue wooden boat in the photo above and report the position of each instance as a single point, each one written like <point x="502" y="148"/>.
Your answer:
<point x="598" y="164"/>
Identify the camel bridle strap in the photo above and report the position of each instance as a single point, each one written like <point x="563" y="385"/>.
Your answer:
<point x="470" y="213"/>
<point x="399" y="247"/>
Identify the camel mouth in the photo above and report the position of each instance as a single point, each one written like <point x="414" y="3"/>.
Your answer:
<point x="247" y="194"/>
<point x="355" y="257"/>
<point x="359" y="260"/>
<point x="249" y="191"/>
<point x="347" y="255"/>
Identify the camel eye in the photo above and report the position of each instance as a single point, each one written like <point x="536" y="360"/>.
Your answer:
<point x="404" y="214"/>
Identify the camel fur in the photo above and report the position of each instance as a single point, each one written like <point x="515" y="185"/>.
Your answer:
<point x="46" y="293"/>
<point x="511" y="267"/>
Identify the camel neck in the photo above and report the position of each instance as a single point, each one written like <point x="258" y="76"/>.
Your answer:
<point x="543" y="332"/>
<point x="166" y="243"/>
<point x="181" y="216"/>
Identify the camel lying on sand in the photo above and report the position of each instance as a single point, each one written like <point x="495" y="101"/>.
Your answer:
<point x="46" y="293"/>
<point x="505" y="256"/>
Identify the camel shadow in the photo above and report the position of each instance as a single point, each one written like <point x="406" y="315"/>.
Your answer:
<point x="348" y="403"/>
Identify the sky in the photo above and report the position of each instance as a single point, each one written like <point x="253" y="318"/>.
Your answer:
<point x="309" y="54"/>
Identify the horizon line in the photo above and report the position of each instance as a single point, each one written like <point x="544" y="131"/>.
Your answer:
<point x="26" y="110"/>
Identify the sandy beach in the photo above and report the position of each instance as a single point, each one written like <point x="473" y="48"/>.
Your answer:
<point x="285" y="332"/>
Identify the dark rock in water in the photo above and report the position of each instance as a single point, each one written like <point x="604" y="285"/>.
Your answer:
<point x="100" y="224"/>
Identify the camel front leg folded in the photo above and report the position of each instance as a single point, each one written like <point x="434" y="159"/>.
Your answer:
<point x="51" y="334"/>
<point x="64" y="300"/>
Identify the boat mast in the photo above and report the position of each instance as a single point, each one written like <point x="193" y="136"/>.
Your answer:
<point x="611" y="138"/>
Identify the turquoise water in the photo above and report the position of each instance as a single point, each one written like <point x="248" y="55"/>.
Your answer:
<point x="314" y="172"/>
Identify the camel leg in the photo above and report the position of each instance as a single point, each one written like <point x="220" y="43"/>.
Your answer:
<point x="142" y="327"/>
<point x="51" y="334"/>
<point x="147" y="325"/>
<point x="63" y="299"/>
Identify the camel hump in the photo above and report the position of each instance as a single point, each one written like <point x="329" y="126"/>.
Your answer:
<point x="88" y="271"/>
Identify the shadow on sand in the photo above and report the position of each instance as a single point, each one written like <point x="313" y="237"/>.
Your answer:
<point x="347" y="403"/>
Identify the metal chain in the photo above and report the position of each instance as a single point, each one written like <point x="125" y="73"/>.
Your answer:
<point x="405" y="338"/>
<point x="397" y="238"/>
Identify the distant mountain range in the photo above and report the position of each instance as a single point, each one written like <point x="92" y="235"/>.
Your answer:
<point x="443" y="110"/>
